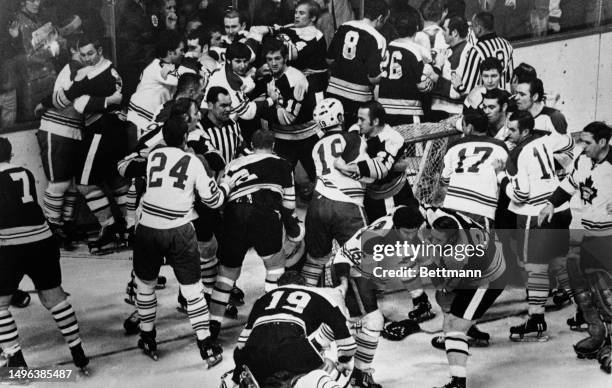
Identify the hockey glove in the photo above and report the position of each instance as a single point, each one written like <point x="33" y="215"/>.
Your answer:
<point x="397" y="331"/>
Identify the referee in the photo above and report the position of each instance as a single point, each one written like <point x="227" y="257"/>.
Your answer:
<point x="488" y="45"/>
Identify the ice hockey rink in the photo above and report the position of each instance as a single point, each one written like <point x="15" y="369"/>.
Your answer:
<point x="413" y="362"/>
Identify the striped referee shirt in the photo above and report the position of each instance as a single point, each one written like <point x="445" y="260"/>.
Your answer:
<point x="489" y="45"/>
<point x="221" y="144"/>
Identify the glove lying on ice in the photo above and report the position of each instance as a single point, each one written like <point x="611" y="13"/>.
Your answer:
<point x="397" y="331"/>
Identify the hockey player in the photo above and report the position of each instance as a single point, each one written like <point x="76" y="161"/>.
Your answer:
<point x="401" y="85"/>
<point x="336" y="210"/>
<point x="491" y="71"/>
<point x="531" y="179"/>
<point x="198" y="44"/>
<point x="495" y="106"/>
<point x="281" y="333"/>
<point x="472" y="296"/>
<point x="591" y="177"/>
<point x="360" y="288"/>
<point x="96" y="93"/>
<point x="165" y="233"/>
<point x="59" y="138"/>
<point x="158" y="81"/>
<point x="27" y="247"/>
<point x="470" y="170"/>
<point x="262" y="203"/>
<point x="290" y="119"/>
<point x="355" y="55"/>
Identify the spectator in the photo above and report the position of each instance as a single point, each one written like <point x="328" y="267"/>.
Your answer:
<point x="135" y="42"/>
<point x="432" y="36"/>
<point x="333" y="15"/>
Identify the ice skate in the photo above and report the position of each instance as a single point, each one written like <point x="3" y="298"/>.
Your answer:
<point x="422" y="309"/>
<point x="148" y="344"/>
<point x="182" y="303"/>
<point x="560" y="298"/>
<point x="14" y="360"/>
<point x="210" y="352"/>
<point x="363" y="379"/>
<point x="577" y="322"/>
<point x="237" y="296"/>
<point x="531" y="331"/>
<point x="131" y="324"/>
<point x="590" y="347"/>
<point x="20" y="299"/>
<point x="161" y="283"/>
<point x="110" y="240"/>
<point x="80" y="360"/>
<point x="456" y="382"/>
<point x="231" y="311"/>
<point x="215" y="329"/>
<point x="476" y="339"/>
<point x="605" y="358"/>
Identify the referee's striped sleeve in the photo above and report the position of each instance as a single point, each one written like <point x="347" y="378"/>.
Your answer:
<point x="471" y="72"/>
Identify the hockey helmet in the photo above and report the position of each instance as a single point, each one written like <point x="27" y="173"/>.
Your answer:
<point x="328" y="113"/>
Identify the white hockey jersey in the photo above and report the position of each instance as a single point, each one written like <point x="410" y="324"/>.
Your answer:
<point x="470" y="175"/>
<point x="62" y="120"/>
<point x="173" y="178"/>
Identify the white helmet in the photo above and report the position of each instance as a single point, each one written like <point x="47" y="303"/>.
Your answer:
<point x="328" y="113"/>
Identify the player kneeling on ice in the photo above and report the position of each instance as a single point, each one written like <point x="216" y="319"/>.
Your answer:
<point x="360" y="287"/>
<point x="283" y="339"/>
<point x="165" y="231"/>
<point x="473" y="295"/>
<point x="27" y="247"/>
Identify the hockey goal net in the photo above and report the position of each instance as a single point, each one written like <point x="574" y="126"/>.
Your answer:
<point x="426" y="147"/>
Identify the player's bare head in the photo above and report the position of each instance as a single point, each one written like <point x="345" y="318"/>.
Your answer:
<point x="520" y="125"/>
<point x="433" y="10"/>
<point x="495" y="104"/>
<point x="407" y="22"/>
<point x="595" y="138"/>
<point x="329" y="114"/>
<point x="263" y="140"/>
<point x="170" y="46"/>
<point x="483" y="23"/>
<point x="216" y="36"/>
<point x="444" y="230"/>
<point x="238" y="56"/>
<point x="276" y="52"/>
<point x="291" y="277"/>
<point x="491" y="71"/>
<point x="475" y="121"/>
<point x="407" y="220"/>
<point x="175" y="131"/>
<point x="189" y="85"/>
<point x="90" y="50"/>
<point x="219" y="103"/>
<point x="233" y="22"/>
<point x="528" y="93"/>
<point x="455" y="29"/>
<point x="371" y="115"/>
<point x="377" y="11"/>
<point x="6" y="150"/>
<point x="306" y="13"/>
<point x="523" y="73"/>
<point x="198" y="40"/>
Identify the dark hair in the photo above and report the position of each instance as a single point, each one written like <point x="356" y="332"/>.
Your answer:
<point x="408" y="217"/>
<point x="459" y="24"/>
<point x="181" y="107"/>
<point x="238" y="50"/>
<point x="536" y="86"/>
<point x="407" y="23"/>
<point x="314" y="9"/>
<point x="524" y="72"/>
<point x="291" y="277"/>
<point x="446" y="224"/>
<point x="375" y="111"/>
<point x="375" y="8"/>
<point x="232" y="13"/>
<point x="599" y="130"/>
<point x="262" y="139"/>
<point x="491" y="63"/>
<point x="477" y="119"/>
<point x="524" y="119"/>
<point x="213" y="94"/>
<point x="274" y="45"/>
<point x="187" y="80"/>
<point x="202" y="34"/>
<point x="432" y="10"/>
<point x="84" y="40"/>
<point x="167" y="40"/>
<point x="485" y="20"/>
<point x="174" y="130"/>
<point x="5" y="149"/>
<point x="502" y="96"/>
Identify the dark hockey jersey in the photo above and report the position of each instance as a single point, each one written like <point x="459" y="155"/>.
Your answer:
<point x="21" y="218"/>
<point x="357" y="50"/>
<point x="308" y="307"/>
<point x="134" y="165"/>
<point x="402" y="70"/>
<point x="311" y="49"/>
<point x="291" y="117"/>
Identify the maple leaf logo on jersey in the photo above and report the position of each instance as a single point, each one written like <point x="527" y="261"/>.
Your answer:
<point x="587" y="191"/>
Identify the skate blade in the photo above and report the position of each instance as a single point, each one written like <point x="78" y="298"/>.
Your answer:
<point x="213" y="360"/>
<point x="108" y="251"/>
<point x="478" y="343"/>
<point x="542" y="338"/>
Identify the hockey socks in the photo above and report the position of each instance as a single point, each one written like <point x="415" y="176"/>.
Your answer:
<point x="9" y="338"/>
<point x="146" y="303"/>
<point x="66" y="320"/>
<point x="220" y="297"/>
<point x="538" y="285"/>
<point x="457" y="352"/>
<point x="197" y="309"/>
<point x="208" y="271"/>
<point x="366" y="349"/>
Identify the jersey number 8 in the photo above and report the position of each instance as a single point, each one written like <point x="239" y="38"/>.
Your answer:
<point x="349" y="50"/>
